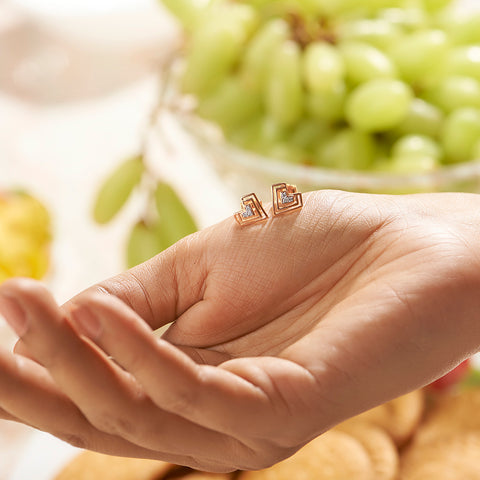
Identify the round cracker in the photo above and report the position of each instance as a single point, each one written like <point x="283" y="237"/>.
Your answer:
<point x="333" y="456"/>
<point x="451" y="414"/>
<point x="451" y="458"/>
<point x="205" y="476"/>
<point x="91" y="465"/>
<point x="379" y="446"/>
<point x="399" y="417"/>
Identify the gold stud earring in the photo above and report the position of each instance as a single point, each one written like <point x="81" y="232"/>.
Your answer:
<point x="252" y="211"/>
<point x="286" y="198"/>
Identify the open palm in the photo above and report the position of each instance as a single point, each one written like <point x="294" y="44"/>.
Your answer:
<point x="280" y="330"/>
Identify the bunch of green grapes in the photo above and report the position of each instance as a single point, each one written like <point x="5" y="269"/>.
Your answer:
<point x="383" y="85"/>
<point x="25" y="235"/>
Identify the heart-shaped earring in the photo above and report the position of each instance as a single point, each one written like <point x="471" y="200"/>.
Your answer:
<point x="252" y="211"/>
<point x="286" y="198"/>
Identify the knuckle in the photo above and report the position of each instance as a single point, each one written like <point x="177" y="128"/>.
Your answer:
<point x="180" y="401"/>
<point x="115" y="424"/>
<point x="74" y="439"/>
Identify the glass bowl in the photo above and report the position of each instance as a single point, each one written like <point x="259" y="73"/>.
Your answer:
<point x="245" y="171"/>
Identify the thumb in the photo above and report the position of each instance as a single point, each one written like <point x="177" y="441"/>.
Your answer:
<point x="159" y="290"/>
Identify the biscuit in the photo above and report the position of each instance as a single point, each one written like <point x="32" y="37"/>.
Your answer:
<point x="334" y="455"/>
<point x="96" y="466"/>
<point x="379" y="446"/>
<point x="450" y="458"/>
<point x="399" y="417"/>
<point x="206" y="476"/>
<point x="454" y="413"/>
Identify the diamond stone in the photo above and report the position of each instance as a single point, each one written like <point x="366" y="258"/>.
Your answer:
<point x="285" y="198"/>
<point x="248" y="212"/>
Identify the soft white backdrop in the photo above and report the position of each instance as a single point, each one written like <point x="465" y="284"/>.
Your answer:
<point x="77" y="83"/>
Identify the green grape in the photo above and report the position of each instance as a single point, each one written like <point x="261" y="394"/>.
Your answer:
<point x="117" y="189"/>
<point x="464" y="29"/>
<point x="309" y="134"/>
<point x="187" y="11"/>
<point x="271" y="132"/>
<point x="216" y="46"/>
<point x="435" y="5"/>
<point x="364" y="62"/>
<point x="323" y="67"/>
<point x="307" y="8"/>
<point x="411" y="164"/>
<point x="230" y="105"/>
<point x="246" y="135"/>
<point x="379" y="105"/>
<point x="269" y="8"/>
<point x="460" y="134"/>
<point x="418" y="54"/>
<point x="423" y="118"/>
<point x="453" y="93"/>
<point x="379" y="33"/>
<point x="260" y="135"/>
<point x="256" y="60"/>
<point x="464" y="61"/>
<point x="409" y="18"/>
<point x="285" y="96"/>
<point x="258" y="4"/>
<point x="416" y="145"/>
<point x="476" y="150"/>
<point x="348" y="149"/>
<point x="287" y="152"/>
<point x="344" y="7"/>
<point x="329" y="105"/>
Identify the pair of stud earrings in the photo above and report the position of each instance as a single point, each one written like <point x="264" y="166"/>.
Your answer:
<point x="286" y="199"/>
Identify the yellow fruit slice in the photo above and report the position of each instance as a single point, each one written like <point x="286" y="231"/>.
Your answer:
<point x="24" y="215"/>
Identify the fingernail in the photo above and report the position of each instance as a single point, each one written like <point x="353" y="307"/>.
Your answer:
<point x="87" y="322"/>
<point x="13" y="314"/>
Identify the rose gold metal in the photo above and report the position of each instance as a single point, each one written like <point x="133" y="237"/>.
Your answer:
<point x="252" y="211"/>
<point x="286" y="198"/>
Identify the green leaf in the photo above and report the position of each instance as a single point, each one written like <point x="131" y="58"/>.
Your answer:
<point x="143" y="244"/>
<point x="116" y="190"/>
<point x="175" y="221"/>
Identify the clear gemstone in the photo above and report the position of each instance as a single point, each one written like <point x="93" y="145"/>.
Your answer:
<point x="248" y="212"/>
<point x="285" y="198"/>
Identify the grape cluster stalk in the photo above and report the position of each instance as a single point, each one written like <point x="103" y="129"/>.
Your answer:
<point x="372" y="85"/>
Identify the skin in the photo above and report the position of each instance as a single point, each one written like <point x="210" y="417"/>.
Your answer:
<point x="281" y="330"/>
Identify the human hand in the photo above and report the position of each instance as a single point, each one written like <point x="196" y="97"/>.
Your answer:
<point x="281" y="330"/>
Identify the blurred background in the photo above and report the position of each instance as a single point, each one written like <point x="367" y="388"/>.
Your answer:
<point x="78" y="82"/>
